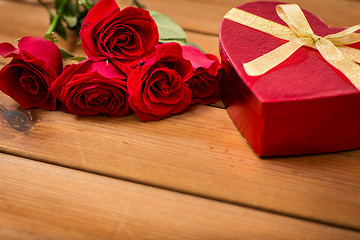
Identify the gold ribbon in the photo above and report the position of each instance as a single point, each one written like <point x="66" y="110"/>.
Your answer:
<point x="299" y="33"/>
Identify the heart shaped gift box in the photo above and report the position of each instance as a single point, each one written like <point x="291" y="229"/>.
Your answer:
<point x="303" y="105"/>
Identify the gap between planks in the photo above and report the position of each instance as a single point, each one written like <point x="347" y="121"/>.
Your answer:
<point x="305" y="190"/>
<point x="46" y="201"/>
<point x="187" y="193"/>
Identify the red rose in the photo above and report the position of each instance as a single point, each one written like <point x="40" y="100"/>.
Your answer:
<point x="125" y="36"/>
<point x="205" y="83"/>
<point x="157" y="87"/>
<point x="92" y="88"/>
<point x="35" y="64"/>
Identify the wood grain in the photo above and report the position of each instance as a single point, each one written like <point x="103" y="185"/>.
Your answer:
<point x="198" y="152"/>
<point x="41" y="201"/>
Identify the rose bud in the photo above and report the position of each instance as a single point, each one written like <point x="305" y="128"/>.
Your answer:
<point x="205" y="83"/>
<point x="92" y="88"/>
<point x="121" y="36"/>
<point x="157" y="88"/>
<point x="35" y="64"/>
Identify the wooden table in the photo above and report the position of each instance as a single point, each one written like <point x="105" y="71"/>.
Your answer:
<point x="189" y="176"/>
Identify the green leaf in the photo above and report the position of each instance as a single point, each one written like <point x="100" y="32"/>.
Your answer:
<point x="86" y="4"/>
<point x="70" y="20"/>
<point x="168" y="29"/>
<point x="69" y="13"/>
<point x="65" y="54"/>
<point x="60" y="29"/>
<point x="70" y="9"/>
<point x="79" y="59"/>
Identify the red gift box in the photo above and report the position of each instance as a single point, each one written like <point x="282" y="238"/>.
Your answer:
<point x="304" y="105"/>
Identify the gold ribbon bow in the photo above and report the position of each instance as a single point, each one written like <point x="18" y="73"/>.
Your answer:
<point x="299" y="33"/>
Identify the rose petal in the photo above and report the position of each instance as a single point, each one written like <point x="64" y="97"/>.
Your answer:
<point x="197" y="58"/>
<point x="43" y="49"/>
<point x="29" y="82"/>
<point x="8" y="50"/>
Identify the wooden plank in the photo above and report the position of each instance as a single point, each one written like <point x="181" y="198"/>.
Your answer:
<point x="41" y="201"/>
<point x="209" y="13"/>
<point x="198" y="152"/>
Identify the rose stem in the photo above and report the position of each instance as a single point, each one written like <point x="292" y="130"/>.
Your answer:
<point x="56" y="19"/>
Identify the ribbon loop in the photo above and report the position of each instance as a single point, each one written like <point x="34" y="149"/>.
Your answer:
<point x="299" y="33"/>
<point x="292" y="15"/>
<point x="345" y="37"/>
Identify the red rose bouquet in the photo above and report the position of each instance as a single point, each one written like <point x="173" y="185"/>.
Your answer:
<point x="134" y="63"/>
